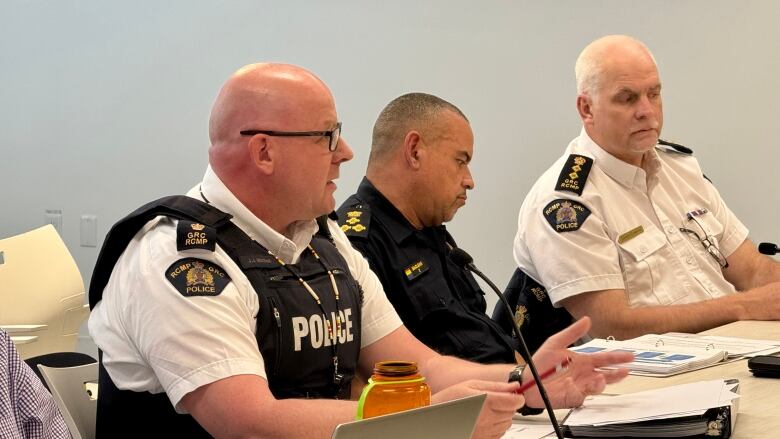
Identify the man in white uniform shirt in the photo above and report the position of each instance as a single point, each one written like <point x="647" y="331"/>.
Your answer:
<point x="625" y="228"/>
<point x="241" y="310"/>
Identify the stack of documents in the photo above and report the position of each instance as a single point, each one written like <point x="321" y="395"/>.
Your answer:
<point x="658" y="360"/>
<point x="673" y="353"/>
<point x="736" y="347"/>
<point x="694" y="409"/>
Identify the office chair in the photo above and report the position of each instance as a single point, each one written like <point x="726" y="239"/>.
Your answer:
<point x="57" y="359"/>
<point x="42" y="298"/>
<point x="75" y="392"/>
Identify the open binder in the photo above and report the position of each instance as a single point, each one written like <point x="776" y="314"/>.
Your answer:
<point x="698" y="422"/>
<point x="653" y="357"/>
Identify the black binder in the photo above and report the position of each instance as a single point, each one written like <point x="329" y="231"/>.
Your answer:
<point x="717" y="422"/>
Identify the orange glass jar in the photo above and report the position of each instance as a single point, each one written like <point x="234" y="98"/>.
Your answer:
<point x="394" y="386"/>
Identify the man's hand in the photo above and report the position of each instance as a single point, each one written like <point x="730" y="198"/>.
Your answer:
<point x="583" y="377"/>
<point x="496" y="415"/>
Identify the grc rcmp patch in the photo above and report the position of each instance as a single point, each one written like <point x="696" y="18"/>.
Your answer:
<point x="574" y="174"/>
<point x="191" y="235"/>
<point x="565" y="215"/>
<point x="196" y="277"/>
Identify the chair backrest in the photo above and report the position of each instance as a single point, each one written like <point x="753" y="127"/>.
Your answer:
<point x="69" y="385"/>
<point x="57" y="359"/>
<point x="533" y="311"/>
<point x="41" y="292"/>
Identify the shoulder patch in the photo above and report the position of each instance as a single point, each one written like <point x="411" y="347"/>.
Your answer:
<point x="191" y="235"/>
<point x="674" y="147"/>
<point x="196" y="277"/>
<point x="355" y="220"/>
<point x="565" y="215"/>
<point x="574" y="174"/>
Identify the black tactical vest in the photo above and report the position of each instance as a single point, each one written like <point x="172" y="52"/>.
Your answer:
<point x="292" y="333"/>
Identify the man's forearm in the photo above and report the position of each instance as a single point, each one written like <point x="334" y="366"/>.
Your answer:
<point x="443" y="371"/>
<point x="694" y="317"/>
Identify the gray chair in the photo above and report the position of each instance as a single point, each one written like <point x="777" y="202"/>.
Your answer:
<point x="75" y="391"/>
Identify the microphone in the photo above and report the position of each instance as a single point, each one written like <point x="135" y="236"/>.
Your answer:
<point x="464" y="260"/>
<point x="768" y="248"/>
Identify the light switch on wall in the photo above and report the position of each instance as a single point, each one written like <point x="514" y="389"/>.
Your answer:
<point x="88" y="230"/>
<point x="54" y="217"/>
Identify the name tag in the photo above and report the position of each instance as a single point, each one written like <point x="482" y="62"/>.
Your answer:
<point x="631" y="234"/>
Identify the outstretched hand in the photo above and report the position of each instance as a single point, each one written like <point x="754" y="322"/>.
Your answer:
<point x="584" y="375"/>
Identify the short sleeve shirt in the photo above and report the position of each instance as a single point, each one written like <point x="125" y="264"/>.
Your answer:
<point x="628" y="230"/>
<point x="157" y="340"/>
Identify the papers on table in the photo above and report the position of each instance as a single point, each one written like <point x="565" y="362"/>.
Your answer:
<point x="656" y="359"/>
<point x="528" y="431"/>
<point x="674" y="352"/>
<point x="736" y="347"/>
<point x="675" y="411"/>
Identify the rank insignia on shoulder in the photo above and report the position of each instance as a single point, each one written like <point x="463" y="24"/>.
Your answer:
<point x="354" y="221"/>
<point x="197" y="277"/>
<point x="574" y="174"/>
<point x="565" y="215"/>
<point x="191" y="235"/>
<point x="415" y="270"/>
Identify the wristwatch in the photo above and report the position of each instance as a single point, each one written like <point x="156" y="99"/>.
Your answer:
<point x="517" y="375"/>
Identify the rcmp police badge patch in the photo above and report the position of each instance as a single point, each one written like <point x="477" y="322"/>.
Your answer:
<point x="197" y="277"/>
<point x="521" y="315"/>
<point x="565" y="215"/>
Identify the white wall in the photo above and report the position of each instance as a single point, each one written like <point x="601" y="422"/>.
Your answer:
<point x="103" y="105"/>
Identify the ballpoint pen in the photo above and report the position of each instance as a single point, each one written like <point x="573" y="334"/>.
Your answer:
<point x="560" y="367"/>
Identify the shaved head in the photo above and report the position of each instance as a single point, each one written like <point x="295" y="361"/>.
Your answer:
<point x="281" y="179"/>
<point x="594" y="60"/>
<point x="261" y="95"/>
<point x="412" y="111"/>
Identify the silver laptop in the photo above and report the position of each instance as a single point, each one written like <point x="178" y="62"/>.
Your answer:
<point x="454" y="419"/>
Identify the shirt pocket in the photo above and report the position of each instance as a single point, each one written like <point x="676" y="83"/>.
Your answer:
<point x="712" y="227"/>
<point x="644" y="260"/>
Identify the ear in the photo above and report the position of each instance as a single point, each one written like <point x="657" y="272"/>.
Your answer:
<point x="585" y="108"/>
<point x="413" y="149"/>
<point x="262" y="154"/>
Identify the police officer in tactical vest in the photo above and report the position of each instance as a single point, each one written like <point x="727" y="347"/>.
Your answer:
<point x="240" y="310"/>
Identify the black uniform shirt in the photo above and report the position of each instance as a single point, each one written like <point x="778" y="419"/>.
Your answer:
<point x="440" y="303"/>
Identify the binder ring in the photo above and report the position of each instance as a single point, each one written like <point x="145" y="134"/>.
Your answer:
<point x="659" y="342"/>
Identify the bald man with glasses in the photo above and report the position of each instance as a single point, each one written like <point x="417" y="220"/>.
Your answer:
<point x="241" y="309"/>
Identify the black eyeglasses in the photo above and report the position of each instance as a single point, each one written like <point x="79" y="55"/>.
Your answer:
<point x="332" y="135"/>
<point x="711" y="248"/>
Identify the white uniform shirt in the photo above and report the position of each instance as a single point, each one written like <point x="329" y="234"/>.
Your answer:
<point x="659" y="266"/>
<point x="154" y="339"/>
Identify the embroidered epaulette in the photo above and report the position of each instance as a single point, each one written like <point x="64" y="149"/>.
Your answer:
<point x="191" y="235"/>
<point x="674" y="147"/>
<point x="354" y="220"/>
<point x="574" y="174"/>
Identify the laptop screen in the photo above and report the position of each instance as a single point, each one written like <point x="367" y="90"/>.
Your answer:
<point x="454" y="419"/>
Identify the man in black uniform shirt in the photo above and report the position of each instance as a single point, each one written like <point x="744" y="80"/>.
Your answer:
<point x="417" y="178"/>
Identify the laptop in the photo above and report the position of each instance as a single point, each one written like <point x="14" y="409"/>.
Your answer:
<point x="454" y="419"/>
